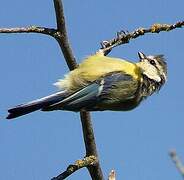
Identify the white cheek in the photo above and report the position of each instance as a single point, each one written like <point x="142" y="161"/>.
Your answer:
<point x="153" y="76"/>
<point x="157" y="78"/>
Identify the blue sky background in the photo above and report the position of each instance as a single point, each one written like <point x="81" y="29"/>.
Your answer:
<point x="136" y="144"/>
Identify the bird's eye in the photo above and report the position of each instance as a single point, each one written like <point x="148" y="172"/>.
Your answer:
<point x="152" y="62"/>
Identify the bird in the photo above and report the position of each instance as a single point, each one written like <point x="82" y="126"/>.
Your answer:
<point x="102" y="83"/>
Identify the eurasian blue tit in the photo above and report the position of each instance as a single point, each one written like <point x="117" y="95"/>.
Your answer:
<point x="102" y="83"/>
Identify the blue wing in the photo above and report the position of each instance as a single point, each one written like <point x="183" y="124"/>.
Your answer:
<point x="77" y="100"/>
<point x="91" y="95"/>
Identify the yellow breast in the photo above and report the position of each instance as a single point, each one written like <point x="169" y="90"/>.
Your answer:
<point x="94" y="67"/>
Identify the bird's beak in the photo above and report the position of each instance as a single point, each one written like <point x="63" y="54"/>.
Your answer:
<point x="141" y="56"/>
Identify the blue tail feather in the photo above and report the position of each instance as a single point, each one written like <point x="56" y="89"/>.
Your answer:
<point x="35" y="105"/>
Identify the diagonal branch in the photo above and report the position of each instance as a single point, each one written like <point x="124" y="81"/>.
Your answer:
<point x="63" y="38"/>
<point x="87" y="161"/>
<point x="123" y="37"/>
<point x="177" y="161"/>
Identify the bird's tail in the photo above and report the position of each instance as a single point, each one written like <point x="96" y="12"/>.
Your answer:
<point x="35" y="105"/>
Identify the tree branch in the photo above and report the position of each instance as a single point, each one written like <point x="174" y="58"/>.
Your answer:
<point x="31" y="29"/>
<point x="63" y="38"/>
<point x="90" y="145"/>
<point x="123" y="37"/>
<point x="177" y="161"/>
<point x="87" y="161"/>
<point x="94" y="169"/>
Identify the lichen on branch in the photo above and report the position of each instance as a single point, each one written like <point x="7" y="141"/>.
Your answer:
<point x="87" y="161"/>
<point x="123" y="37"/>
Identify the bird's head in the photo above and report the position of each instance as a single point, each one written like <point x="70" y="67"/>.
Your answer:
<point x="153" y="67"/>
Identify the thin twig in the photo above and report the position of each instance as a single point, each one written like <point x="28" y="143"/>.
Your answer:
<point x="87" y="161"/>
<point x="124" y="37"/>
<point x="63" y="38"/>
<point x="30" y="29"/>
<point x="177" y="161"/>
